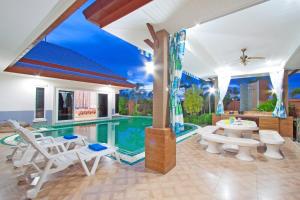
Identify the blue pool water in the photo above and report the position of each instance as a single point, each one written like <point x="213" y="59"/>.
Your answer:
<point x="126" y="133"/>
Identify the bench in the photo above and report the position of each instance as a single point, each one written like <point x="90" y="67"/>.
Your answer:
<point x="216" y="141"/>
<point x="206" y="129"/>
<point x="273" y="141"/>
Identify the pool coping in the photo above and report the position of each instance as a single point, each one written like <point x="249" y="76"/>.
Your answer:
<point x="131" y="160"/>
<point x="126" y="158"/>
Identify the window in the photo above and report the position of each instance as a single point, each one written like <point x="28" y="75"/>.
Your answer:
<point x="40" y="103"/>
<point x="117" y="103"/>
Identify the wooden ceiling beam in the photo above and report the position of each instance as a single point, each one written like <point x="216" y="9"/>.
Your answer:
<point x="104" y="12"/>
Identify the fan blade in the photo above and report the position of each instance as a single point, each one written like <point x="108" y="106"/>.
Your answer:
<point x="256" y="57"/>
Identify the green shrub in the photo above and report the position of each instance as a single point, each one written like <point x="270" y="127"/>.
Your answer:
<point x="123" y="106"/>
<point x="193" y="101"/>
<point x="202" y="120"/>
<point x="267" y="106"/>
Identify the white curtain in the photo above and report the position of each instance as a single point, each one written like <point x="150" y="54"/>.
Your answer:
<point x="277" y="83"/>
<point x="223" y="83"/>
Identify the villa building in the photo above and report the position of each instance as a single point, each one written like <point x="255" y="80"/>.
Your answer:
<point x="46" y="85"/>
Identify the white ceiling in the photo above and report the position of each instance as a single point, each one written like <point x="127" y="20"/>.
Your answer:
<point x="24" y="21"/>
<point x="270" y="29"/>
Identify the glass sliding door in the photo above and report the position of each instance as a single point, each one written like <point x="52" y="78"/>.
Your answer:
<point x="102" y="105"/>
<point x="65" y="105"/>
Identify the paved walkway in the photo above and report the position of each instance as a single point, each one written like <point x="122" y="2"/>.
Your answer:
<point x="198" y="175"/>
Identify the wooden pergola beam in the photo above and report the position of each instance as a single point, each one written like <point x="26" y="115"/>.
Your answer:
<point x="152" y="31"/>
<point x="155" y="43"/>
<point x="149" y="43"/>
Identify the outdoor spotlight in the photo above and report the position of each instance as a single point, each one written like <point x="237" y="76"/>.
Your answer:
<point x="212" y="90"/>
<point x="273" y="91"/>
<point x="149" y="66"/>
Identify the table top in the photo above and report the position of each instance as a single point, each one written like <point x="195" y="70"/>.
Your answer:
<point x="237" y="125"/>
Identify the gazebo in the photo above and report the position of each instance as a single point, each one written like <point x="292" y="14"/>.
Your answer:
<point x="205" y="39"/>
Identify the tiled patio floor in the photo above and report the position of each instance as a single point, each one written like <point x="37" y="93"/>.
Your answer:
<point x="198" y="175"/>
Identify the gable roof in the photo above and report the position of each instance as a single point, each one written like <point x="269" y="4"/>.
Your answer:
<point x="52" y="53"/>
<point x="50" y="60"/>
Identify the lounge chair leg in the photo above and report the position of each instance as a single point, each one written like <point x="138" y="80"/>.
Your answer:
<point x="10" y="157"/>
<point x="213" y="147"/>
<point x="244" y="154"/>
<point x="95" y="165"/>
<point x="84" y="166"/>
<point x="25" y="158"/>
<point x="117" y="155"/>
<point x="32" y="193"/>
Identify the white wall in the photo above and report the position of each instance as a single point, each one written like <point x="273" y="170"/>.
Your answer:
<point x="18" y="92"/>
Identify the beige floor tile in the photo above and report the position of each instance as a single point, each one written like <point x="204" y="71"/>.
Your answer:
<point x="197" y="175"/>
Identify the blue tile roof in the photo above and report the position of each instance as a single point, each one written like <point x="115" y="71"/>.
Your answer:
<point x="61" y="71"/>
<point x="52" y="53"/>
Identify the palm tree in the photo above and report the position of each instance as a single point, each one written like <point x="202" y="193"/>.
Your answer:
<point x="295" y="92"/>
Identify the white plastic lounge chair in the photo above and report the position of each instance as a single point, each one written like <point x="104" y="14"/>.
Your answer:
<point x="27" y="151"/>
<point x="61" y="159"/>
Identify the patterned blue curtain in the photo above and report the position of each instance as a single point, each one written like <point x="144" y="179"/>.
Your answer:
<point x="277" y="82"/>
<point x="176" y="53"/>
<point x="223" y="83"/>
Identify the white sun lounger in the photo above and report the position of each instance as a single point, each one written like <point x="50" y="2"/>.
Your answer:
<point x="47" y="142"/>
<point x="61" y="159"/>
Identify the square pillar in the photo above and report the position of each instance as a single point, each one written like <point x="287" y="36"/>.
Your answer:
<point x="160" y="149"/>
<point x="160" y="141"/>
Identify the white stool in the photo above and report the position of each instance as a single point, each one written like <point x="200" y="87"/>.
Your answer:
<point x="273" y="141"/>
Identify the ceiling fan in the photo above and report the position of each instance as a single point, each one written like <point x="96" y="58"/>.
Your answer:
<point x="245" y="59"/>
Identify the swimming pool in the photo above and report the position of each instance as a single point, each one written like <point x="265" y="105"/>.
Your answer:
<point x="126" y="133"/>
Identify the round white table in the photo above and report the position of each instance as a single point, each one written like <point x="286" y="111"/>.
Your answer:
<point x="236" y="129"/>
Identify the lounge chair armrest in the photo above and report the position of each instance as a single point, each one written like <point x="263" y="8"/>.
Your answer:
<point x="73" y="151"/>
<point x="46" y="138"/>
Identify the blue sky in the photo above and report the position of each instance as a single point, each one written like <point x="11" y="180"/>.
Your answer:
<point x="80" y="35"/>
<point x="124" y="59"/>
